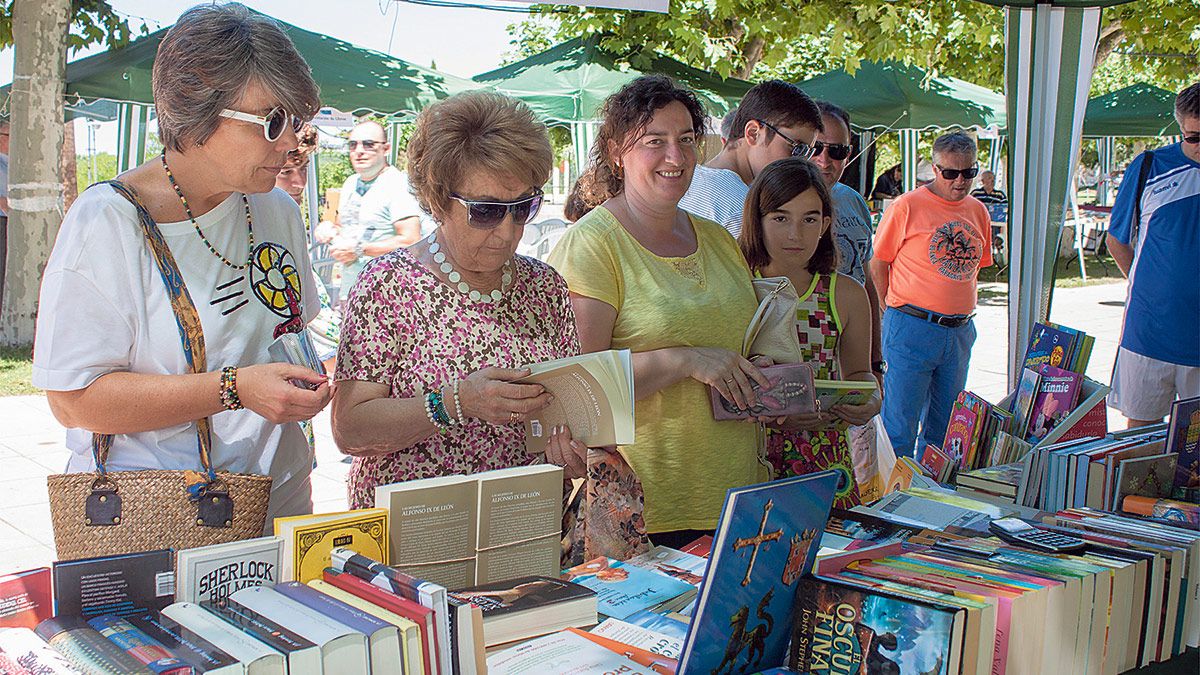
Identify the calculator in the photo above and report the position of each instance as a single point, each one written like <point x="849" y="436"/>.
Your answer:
<point x="1021" y="533"/>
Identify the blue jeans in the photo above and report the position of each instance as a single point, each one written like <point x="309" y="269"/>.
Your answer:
<point x="927" y="367"/>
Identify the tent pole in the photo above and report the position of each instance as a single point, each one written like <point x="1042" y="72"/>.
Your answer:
<point x="394" y="138"/>
<point x="908" y="157"/>
<point x="143" y="130"/>
<point x="864" y="177"/>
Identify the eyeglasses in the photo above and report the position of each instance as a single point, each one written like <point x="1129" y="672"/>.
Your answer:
<point x="273" y="124"/>
<point x="837" y="151"/>
<point x="486" y="215"/>
<point x="366" y="145"/>
<point x="799" y="149"/>
<point x="1192" y="138"/>
<point x="953" y="174"/>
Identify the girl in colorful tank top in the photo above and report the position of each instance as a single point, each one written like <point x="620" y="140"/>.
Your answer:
<point x="787" y="231"/>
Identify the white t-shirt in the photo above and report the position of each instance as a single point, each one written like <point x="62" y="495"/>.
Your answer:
<point x="852" y="231"/>
<point x="718" y="195"/>
<point x="104" y="308"/>
<point x="368" y="213"/>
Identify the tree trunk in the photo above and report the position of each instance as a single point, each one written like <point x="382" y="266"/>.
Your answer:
<point x="35" y="190"/>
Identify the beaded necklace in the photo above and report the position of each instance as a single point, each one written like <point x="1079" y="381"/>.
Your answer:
<point x="456" y="280"/>
<point x="188" y="210"/>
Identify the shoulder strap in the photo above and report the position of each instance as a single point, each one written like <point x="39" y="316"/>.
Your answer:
<point x="191" y="333"/>
<point x="1143" y="174"/>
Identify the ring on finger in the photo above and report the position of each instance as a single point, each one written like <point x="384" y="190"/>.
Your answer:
<point x="514" y="417"/>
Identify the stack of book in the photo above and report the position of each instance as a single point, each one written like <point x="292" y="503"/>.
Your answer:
<point x="979" y="433"/>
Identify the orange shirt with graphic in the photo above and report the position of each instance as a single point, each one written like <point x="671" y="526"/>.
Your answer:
<point x="936" y="248"/>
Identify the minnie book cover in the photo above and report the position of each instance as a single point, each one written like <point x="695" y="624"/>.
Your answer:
<point x="766" y="540"/>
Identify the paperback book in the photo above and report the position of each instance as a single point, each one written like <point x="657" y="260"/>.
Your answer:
<point x="204" y="657"/>
<point x="139" y="645"/>
<point x="529" y="606"/>
<point x="29" y="651"/>
<point x="623" y="589"/>
<point x="25" y="599"/>
<point x="87" y="649"/>
<point x="593" y="396"/>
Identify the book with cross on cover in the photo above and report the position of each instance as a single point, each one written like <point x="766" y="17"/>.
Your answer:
<point x="767" y="538"/>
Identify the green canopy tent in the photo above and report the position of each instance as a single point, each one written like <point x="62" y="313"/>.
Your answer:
<point x="1136" y="110"/>
<point x="567" y="84"/>
<point x="886" y="95"/>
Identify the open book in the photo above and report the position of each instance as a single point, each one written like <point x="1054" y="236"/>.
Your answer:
<point x="593" y="395"/>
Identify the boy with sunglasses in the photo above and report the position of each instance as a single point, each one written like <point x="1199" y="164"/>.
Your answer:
<point x="775" y="120"/>
<point x="929" y="249"/>
<point x="1154" y="236"/>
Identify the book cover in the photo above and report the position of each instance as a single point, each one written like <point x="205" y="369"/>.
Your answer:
<point x="1049" y="346"/>
<point x="664" y="560"/>
<point x="342" y="647"/>
<point x="308" y="540"/>
<point x="658" y="623"/>
<point x="423" y="617"/>
<point x="562" y="652"/>
<point x="843" y="392"/>
<point x="614" y="525"/>
<point x="87" y="649"/>
<point x="1183" y="439"/>
<point x="262" y="628"/>
<point x="766" y="540"/>
<point x="791" y="392"/>
<point x="659" y="663"/>
<point x="1022" y="405"/>
<point x="382" y="640"/>
<point x="203" y="656"/>
<point x="255" y="655"/>
<point x="939" y="464"/>
<point x="139" y="645"/>
<point x="447" y="505"/>
<point x="520" y="523"/>
<point x="521" y="595"/>
<point x="1058" y="391"/>
<point x="33" y="654"/>
<point x="959" y="432"/>
<point x="842" y="629"/>
<point x="593" y="395"/>
<point x="702" y="546"/>
<point x="1187" y="514"/>
<point x="120" y="584"/>
<point x="624" y="589"/>
<point x="25" y="599"/>
<point x="211" y="573"/>
<point x="1151" y="476"/>
<point x="408" y="632"/>
<point x="643" y="638"/>
<point x="852" y="530"/>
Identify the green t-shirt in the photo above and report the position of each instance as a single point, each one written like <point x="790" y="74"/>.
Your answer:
<point x="685" y="459"/>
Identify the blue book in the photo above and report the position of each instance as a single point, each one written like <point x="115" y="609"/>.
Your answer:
<point x="622" y="590"/>
<point x="1183" y="439"/>
<point x="659" y="623"/>
<point x="766" y="540"/>
<point x="1048" y="344"/>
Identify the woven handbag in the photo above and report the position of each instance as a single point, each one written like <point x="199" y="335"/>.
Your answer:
<point x="114" y="512"/>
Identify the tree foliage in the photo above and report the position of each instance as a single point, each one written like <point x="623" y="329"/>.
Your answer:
<point x="795" y="39"/>
<point x="93" y="22"/>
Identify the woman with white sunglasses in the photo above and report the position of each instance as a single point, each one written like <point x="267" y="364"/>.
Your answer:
<point x="231" y="91"/>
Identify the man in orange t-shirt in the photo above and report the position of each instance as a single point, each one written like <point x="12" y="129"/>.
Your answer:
<point x="929" y="249"/>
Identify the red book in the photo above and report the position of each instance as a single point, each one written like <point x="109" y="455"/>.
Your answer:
<point x="701" y="547"/>
<point x="414" y="611"/>
<point x="25" y="598"/>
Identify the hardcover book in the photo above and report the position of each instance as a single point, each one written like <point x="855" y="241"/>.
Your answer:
<point x="1183" y="439"/>
<point x="939" y="464"/>
<point x="1151" y="476"/>
<point x="843" y="392"/>
<point x="1023" y="401"/>
<point x="408" y="632"/>
<point x="623" y="589"/>
<point x="791" y="392"/>
<point x="841" y="629"/>
<point x="256" y="656"/>
<point x="211" y="573"/>
<point x="300" y="654"/>
<point x="529" y="606"/>
<point x="959" y="432"/>
<point x="87" y="649"/>
<point x="204" y="657"/>
<point x="25" y="599"/>
<point x="308" y="540"/>
<point x="593" y="396"/>
<point x="1058" y="392"/>
<point x="33" y="654"/>
<point x="382" y="638"/>
<point x="766" y="540"/>
<point x="120" y="584"/>
<point x="1049" y="345"/>
<point x="343" y="649"/>
<point x="425" y="619"/>
<point x="140" y="646"/>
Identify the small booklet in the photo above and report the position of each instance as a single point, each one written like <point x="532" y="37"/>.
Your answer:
<point x="298" y="350"/>
<point x="843" y="392"/>
<point x="791" y="392"/>
<point x="593" y="396"/>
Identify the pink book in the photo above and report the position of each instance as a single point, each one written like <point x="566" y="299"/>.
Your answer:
<point x="791" y="392"/>
<point x="1057" y="394"/>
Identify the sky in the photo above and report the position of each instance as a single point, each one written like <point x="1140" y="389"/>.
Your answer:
<point x="459" y="41"/>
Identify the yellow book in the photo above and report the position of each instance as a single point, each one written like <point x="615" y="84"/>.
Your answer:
<point x="308" y="540"/>
<point x="411" y="650"/>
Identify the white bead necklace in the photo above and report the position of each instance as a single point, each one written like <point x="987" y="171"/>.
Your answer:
<point x="456" y="280"/>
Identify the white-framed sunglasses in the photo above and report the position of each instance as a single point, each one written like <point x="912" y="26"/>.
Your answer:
<point x="273" y="123"/>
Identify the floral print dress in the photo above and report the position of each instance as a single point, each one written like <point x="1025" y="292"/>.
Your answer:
<point x="404" y="328"/>
<point x="795" y="453"/>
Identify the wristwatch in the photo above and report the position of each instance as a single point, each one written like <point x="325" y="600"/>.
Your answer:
<point x="358" y="250"/>
<point x="879" y="367"/>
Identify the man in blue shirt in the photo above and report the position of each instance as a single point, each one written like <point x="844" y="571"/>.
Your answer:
<point x="1159" y="356"/>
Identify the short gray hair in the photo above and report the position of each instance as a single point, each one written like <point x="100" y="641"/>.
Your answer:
<point x="727" y="123"/>
<point x="954" y="143"/>
<point x="208" y="58"/>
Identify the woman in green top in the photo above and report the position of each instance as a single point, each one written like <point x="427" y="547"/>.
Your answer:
<point x="646" y="276"/>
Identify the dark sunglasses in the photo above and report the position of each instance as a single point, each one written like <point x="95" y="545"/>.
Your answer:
<point x="801" y="150"/>
<point x="486" y="215"/>
<point x="367" y="145"/>
<point x="273" y="123"/>
<point x="837" y="151"/>
<point x="953" y="174"/>
<point x="1193" y="139"/>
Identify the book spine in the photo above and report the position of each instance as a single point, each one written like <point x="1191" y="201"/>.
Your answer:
<point x="88" y="650"/>
<point x="139" y="645"/>
<point x="199" y="653"/>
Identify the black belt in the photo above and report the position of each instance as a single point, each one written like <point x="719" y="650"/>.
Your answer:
<point x="947" y="320"/>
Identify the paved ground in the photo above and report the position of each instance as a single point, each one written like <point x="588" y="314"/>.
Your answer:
<point x="31" y="441"/>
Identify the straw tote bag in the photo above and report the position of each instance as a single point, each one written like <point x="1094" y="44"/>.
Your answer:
<point x="115" y="512"/>
<point x="772" y="330"/>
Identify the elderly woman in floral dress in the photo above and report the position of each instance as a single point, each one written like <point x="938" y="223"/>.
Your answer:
<point x="435" y="335"/>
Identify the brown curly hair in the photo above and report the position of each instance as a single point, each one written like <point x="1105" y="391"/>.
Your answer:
<point x="625" y="115"/>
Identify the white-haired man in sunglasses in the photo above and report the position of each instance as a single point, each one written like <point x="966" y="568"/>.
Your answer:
<point x="929" y="249"/>
<point x="377" y="213"/>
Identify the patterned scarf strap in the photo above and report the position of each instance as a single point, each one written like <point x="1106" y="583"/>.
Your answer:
<point x="187" y="319"/>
